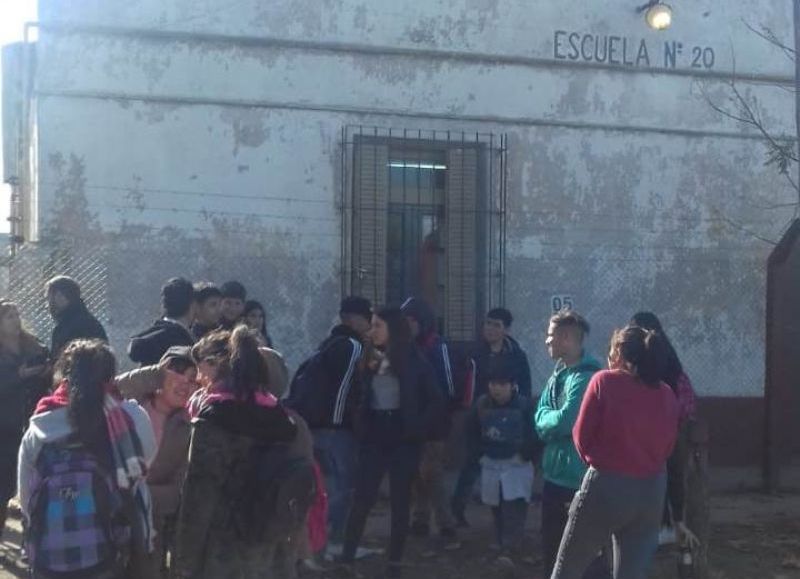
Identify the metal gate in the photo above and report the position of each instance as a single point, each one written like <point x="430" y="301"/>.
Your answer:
<point x="781" y="392"/>
<point x="423" y="214"/>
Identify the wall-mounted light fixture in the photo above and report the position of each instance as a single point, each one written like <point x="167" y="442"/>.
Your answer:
<point x="657" y="14"/>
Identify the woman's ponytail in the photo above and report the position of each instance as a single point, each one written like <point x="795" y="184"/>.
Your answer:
<point x="654" y="362"/>
<point x="249" y="372"/>
<point x="644" y="350"/>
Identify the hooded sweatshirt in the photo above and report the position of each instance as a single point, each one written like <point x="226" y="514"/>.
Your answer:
<point x="147" y="347"/>
<point x="52" y="425"/>
<point x="555" y="418"/>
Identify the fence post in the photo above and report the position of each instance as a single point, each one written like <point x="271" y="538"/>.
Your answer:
<point x="698" y="506"/>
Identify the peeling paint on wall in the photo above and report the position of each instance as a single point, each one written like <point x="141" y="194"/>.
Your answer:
<point x="216" y="158"/>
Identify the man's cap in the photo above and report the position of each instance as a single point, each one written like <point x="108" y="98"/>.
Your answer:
<point x="356" y="305"/>
<point x="233" y="290"/>
<point x="177" y="353"/>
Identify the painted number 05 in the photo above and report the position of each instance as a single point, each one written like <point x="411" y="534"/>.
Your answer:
<point x="703" y="57"/>
<point x="559" y="303"/>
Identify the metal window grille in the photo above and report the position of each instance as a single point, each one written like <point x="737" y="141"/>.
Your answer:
<point x="423" y="214"/>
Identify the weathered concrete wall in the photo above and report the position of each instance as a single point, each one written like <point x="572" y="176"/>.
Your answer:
<point x="205" y="140"/>
<point x="497" y="27"/>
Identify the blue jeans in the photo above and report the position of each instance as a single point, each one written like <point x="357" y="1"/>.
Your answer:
<point x="336" y="451"/>
<point x="618" y="506"/>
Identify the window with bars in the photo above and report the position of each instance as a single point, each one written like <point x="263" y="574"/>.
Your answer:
<point x="424" y="215"/>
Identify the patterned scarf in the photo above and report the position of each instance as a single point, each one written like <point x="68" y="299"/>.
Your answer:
<point x="126" y="447"/>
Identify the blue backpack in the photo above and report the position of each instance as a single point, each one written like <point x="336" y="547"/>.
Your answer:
<point x="79" y="523"/>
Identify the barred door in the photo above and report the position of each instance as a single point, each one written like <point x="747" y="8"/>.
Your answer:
<point x="424" y="215"/>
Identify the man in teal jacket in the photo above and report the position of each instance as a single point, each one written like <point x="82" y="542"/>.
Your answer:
<point x="556" y="414"/>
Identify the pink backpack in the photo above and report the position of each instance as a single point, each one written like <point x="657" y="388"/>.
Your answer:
<point x="318" y="515"/>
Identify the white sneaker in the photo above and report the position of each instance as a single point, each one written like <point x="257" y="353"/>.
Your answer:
<point x="334" y="550"/>
<point x="365" y="552"/>
<point x="667" y="536"/>
<point x="312" y="566"/>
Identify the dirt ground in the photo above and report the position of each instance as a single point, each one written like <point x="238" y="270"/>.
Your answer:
<point x="754" y="536"/>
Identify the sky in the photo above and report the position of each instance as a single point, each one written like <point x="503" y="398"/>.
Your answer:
<point x="13" y="16"/>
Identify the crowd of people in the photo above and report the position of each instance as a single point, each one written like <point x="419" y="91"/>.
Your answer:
<point x="207" y="461"/>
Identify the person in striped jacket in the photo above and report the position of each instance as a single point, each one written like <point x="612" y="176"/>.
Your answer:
<point x="326" y="392"/>
<point x="430" y="493"/>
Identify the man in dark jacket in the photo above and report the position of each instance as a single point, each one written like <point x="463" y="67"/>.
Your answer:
<point x="496" y="343"/>
<point x="234" y="295"/>
<point x="207" y="314"/>
<point x="72" y="317"/>
<point x="496" y="350"/>
<point x="429" y="489"/>
<point x="326" y="392"/>
<point x="177" y="302"/>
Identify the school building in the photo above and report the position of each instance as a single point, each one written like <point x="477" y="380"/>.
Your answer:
<point x="475" y="152"/>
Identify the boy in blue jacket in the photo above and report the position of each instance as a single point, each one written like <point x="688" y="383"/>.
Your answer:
<point x="500" y="433"/>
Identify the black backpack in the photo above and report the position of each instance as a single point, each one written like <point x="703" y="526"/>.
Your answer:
<point x="273" y="496"/>
<point x="308" y="393"/>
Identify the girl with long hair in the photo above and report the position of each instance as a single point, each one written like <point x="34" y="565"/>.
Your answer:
<point x="675" y="377"/>
<point x="24" y="377"/>
<point x="625" y="432"/>
<point x="234" y="417"/>
<point x="83" y="463"/>
<point x="255" y="317"/>
<point x="400" y="407"/>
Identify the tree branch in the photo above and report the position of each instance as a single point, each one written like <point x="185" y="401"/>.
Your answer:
<point x="738" y="226"/>
<point x="782" y="152"/>
<point x="767" y="34"/>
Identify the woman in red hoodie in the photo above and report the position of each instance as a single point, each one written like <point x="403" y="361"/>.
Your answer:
<point x="625" y="432"/>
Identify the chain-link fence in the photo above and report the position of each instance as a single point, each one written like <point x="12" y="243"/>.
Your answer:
<point x="121" y="280"/>
<point x="32" y="266"/>
<point x="711" y="327"/>
<point x="718" y="333"/>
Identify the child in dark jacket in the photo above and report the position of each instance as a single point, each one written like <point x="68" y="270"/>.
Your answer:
<point x="500" y="431"/>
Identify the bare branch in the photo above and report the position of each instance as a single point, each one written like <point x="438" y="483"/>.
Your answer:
<point x="739" y="227"/>
<point x="794" y="185"/>
<point x="782" y="151"/>
<point x="774" y="206"/>
<point x="767" y="34"/>
<point x="783" y="87"/>
<point x="747" y="114"/>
